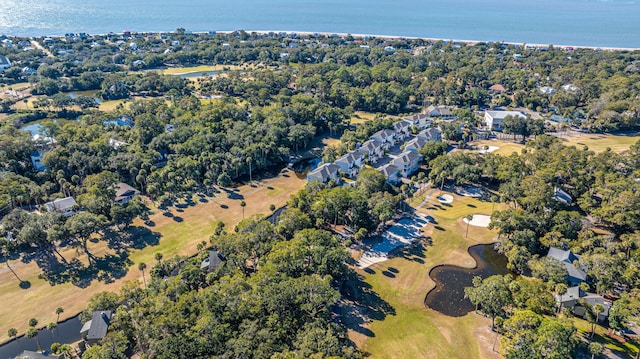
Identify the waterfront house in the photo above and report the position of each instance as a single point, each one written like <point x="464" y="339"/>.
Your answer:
<point x="325" y="173"/>
<point x="124" y="193"/>
<point x="386" y="136"/>
<point x="493" y="119"/>
<point x="373" y="149"/>
<point x="391" y="173"/>
<point x="415" y="144"/>
<point x="430" y="134"/>
<point x="94" y="330"/>
<point x="66" y="206"/>
<point x="576" y="273"/>
<point x="214" y="261"/>
<point x="573" y="298"/>
<point x="402" y="130"/>
<point x="407" y="162"/>
<point x="351" y="163"/>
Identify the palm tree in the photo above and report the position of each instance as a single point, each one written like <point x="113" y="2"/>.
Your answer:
<point x="33" y="333"/>
<point x="158" y="257"/>
<point x="51" y="326"/>
<point x="12" y="333"/>
<point x="560" y="289"/>
<point x="468" y="217"/>
<point x="595" y="349"/>
<point x="249" y="160"/>
<point x="142" y="266"/>
<point x="243" y="204"/>
<point x="59" y="311"/>
<point x="597" y="309"/>
<point x="494" y="199"/>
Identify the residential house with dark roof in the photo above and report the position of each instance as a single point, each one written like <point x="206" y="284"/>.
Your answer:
<point x="402" y="130"/>
<point x="407" y="162"/>
<point x="386" y="136"/>
<point x="576" y="273"/>
<point x="430" y="134"/>
<point x="421" y="120"/>
<point x="391" y="173"/>
<point x="66" y="206"/>
<point x="442" y="112"/>
<point x="574" y="296"/>
<point x="4" y="63"/>
<point x="351" y="163"/>
<point x="212" y="262"/>
<point x="562" y="196"/>
<point x="94" y="330"/>
<point x="124" y="193"/>
<point x="124" y="121"/>
<point x="36" y="160"/>
<point x="325" y="173"/>
<point x="373" y="149"/>
<point x="415" y="144"/>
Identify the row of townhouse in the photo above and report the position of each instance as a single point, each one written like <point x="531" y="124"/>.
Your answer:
<point x="374" y="149"/>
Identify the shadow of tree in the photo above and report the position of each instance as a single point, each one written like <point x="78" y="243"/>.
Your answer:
<point x="363" y="305"/>
<point x="107" y="268"/>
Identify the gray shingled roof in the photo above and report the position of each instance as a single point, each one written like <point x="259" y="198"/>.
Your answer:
<point x="430" y="134"/>
<point x="417" y="144"/>
<point x="406" y="158"/>
<point x="386" y="133"/>
<point x="61" y="204"/>
<point x="214" y="261"/>
<point x="567" y="258"/>
<point x="123" y="190"/>
<point x="351" y="157"/>
<point x="400" y="125"/>
<point x="4" y="61"/>
<point x="323" y="172"/>
<point x="389" y="170"/>
<point x="99" y="325"/>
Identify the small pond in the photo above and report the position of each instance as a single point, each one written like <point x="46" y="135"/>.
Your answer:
<point x="303" y="167"/>
<point x="36" y="128"/>
<point x="65" y="333"/>
<point x="448" y="295"/>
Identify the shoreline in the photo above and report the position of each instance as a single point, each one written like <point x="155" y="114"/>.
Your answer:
<point x="468" y="42"/>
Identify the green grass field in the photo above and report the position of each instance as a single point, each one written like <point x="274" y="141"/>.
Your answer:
<point x="178" y="233"/>
<point x="414" y="331"/>
<point x="193" y="69"/>
<point x="599" y="143"/>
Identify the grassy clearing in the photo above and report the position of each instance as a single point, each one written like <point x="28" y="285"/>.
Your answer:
<point x="505" y="148"/>
<point x="599" y="143"/>
<point x="412" y="330"/>
<point x="203" y="68"/>
<point x="178" y="233"/>
<point x="360" y="117"/>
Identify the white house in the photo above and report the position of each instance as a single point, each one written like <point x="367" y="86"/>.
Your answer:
<point x="420" y="120"/>
<point x="493" y="119"/>
<point x="124" y="193"/>
<point x="402" y="130"/>
<point x="391" y="173"/>
<point x="407" y="162"/>
<point x="63" y="205"/>
<point x="351" y="163"/>
<point x="373" y="149"/>
<point x="415" y="144"/>
<point x="325" y="173"/>
<point x="4" y="63"/>
<point x="431" y="134"/>
<point x="442" y="112"/>
<point x="386" y="136"/>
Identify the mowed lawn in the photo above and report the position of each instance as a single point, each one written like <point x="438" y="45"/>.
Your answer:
<point x="600" y="142"/>
<point x="177" y="233"/>
<point x="203" y="68"/>
<point x="414" y="331"/>
<point x="505" y="148"/>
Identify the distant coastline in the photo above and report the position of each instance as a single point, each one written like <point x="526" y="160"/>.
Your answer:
<point x="380" y="36"/>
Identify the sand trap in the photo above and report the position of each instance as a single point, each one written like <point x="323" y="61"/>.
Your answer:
<point x="470" y="191"/>
<point x="401" y="234"/>
<point x="488" y="149"/>
<point x="479" y="220"/>
<point x="445" y="198"/>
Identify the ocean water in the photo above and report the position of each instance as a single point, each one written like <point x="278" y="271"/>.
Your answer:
<point x="605" y="23"/>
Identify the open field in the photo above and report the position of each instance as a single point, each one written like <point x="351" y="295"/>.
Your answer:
<point x="505" y="148"/>
<point x="600" y="142"/>
<point x="203" y="68"/>
<point x="360" y="117"/>
<point x="177" y="233"/>
<point x="408" y="329"/>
